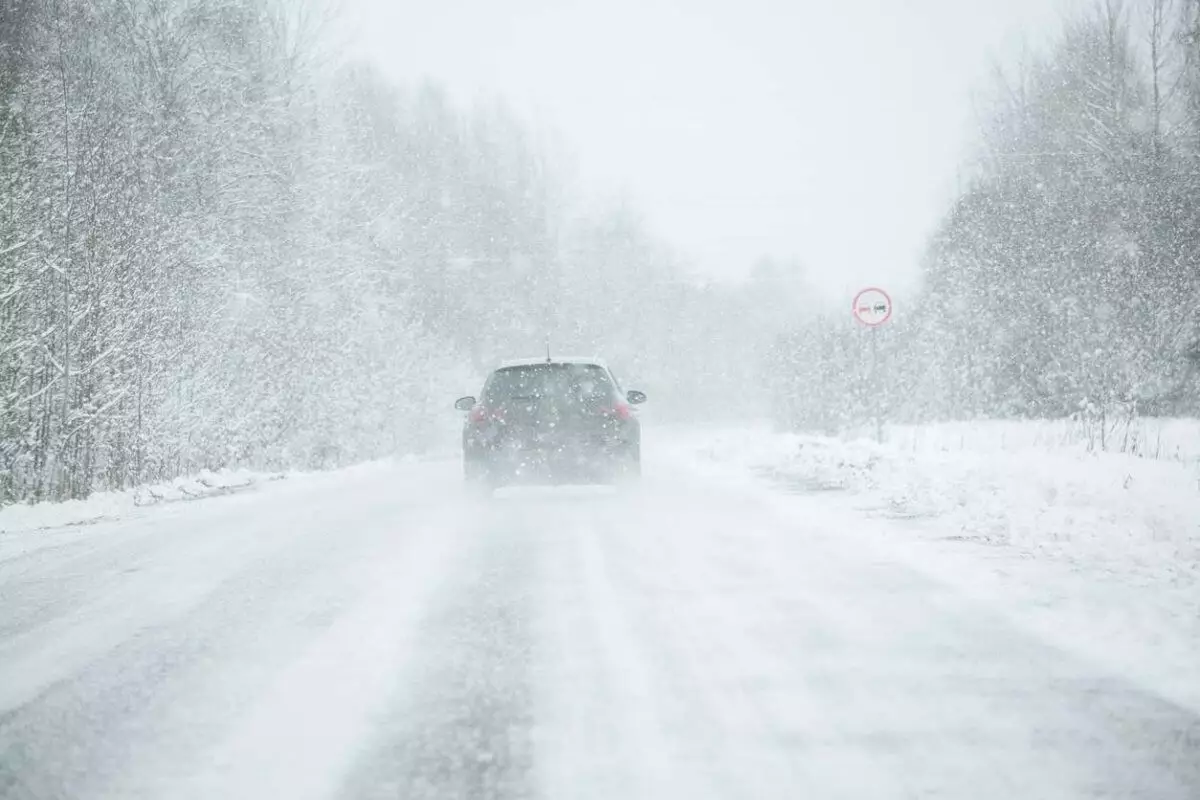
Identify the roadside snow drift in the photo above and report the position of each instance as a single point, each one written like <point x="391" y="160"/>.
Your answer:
<point x="1093" y="550"/>
<point x="114" y="505"/>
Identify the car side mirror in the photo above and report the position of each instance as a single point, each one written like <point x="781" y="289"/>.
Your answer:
<point x="635" y="397"/>
<point x="464" y="403"/>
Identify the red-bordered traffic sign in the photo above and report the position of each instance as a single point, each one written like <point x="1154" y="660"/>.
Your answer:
<point x="872" y="307"/>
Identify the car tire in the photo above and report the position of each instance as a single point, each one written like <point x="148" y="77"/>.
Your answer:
<point x="476" y="475"/>
<point x="627" y="467"/>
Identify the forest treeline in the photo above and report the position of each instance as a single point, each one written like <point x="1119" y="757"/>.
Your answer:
<point x="224" y="243"/>
<point x="1064" y="280"/>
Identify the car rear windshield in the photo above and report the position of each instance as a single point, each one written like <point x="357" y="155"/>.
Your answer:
<point x="576" y="382"/>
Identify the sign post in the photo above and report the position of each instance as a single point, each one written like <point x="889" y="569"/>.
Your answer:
<point x="872" y="307"/>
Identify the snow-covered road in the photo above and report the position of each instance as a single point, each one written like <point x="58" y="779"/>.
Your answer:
<point x="375" y="633"/>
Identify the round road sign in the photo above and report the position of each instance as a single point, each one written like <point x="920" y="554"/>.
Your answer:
<point x="872" y="307"/>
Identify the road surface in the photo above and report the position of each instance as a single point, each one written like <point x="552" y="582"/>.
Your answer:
<point x="378" y="634"/>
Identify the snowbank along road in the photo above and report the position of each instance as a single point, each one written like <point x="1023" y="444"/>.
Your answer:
<point x="375" y="634"/>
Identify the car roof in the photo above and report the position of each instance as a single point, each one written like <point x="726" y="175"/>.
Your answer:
<point x="529" y="362"/>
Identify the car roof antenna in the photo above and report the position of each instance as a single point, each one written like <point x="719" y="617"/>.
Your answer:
<point x="547" y="348"/>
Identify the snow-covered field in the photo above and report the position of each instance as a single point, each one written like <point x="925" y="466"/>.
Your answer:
<point x="1147" y="437"/>
<point x="1100" y="550"/>
<point x="1033" y="486"/>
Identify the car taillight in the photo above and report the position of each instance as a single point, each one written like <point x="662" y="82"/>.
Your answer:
<point x="481" y="413"/>
<point x="620" y="411"/>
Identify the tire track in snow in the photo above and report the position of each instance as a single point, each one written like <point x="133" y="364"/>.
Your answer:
<point x="458" y="724"/>
<point x="300" y="740"/>
<point x="601" y="723"/>
<point x="213" y="681"/>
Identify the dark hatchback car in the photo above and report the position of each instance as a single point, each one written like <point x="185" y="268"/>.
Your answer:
<point x="551" y="421"/>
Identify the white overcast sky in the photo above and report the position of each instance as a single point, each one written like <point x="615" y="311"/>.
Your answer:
<point x="830" y="131"/>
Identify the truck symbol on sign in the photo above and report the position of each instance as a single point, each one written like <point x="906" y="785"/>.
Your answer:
<point x="872" y="307"/>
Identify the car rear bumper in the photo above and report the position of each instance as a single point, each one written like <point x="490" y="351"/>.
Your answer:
<point x="564" y="461"/>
